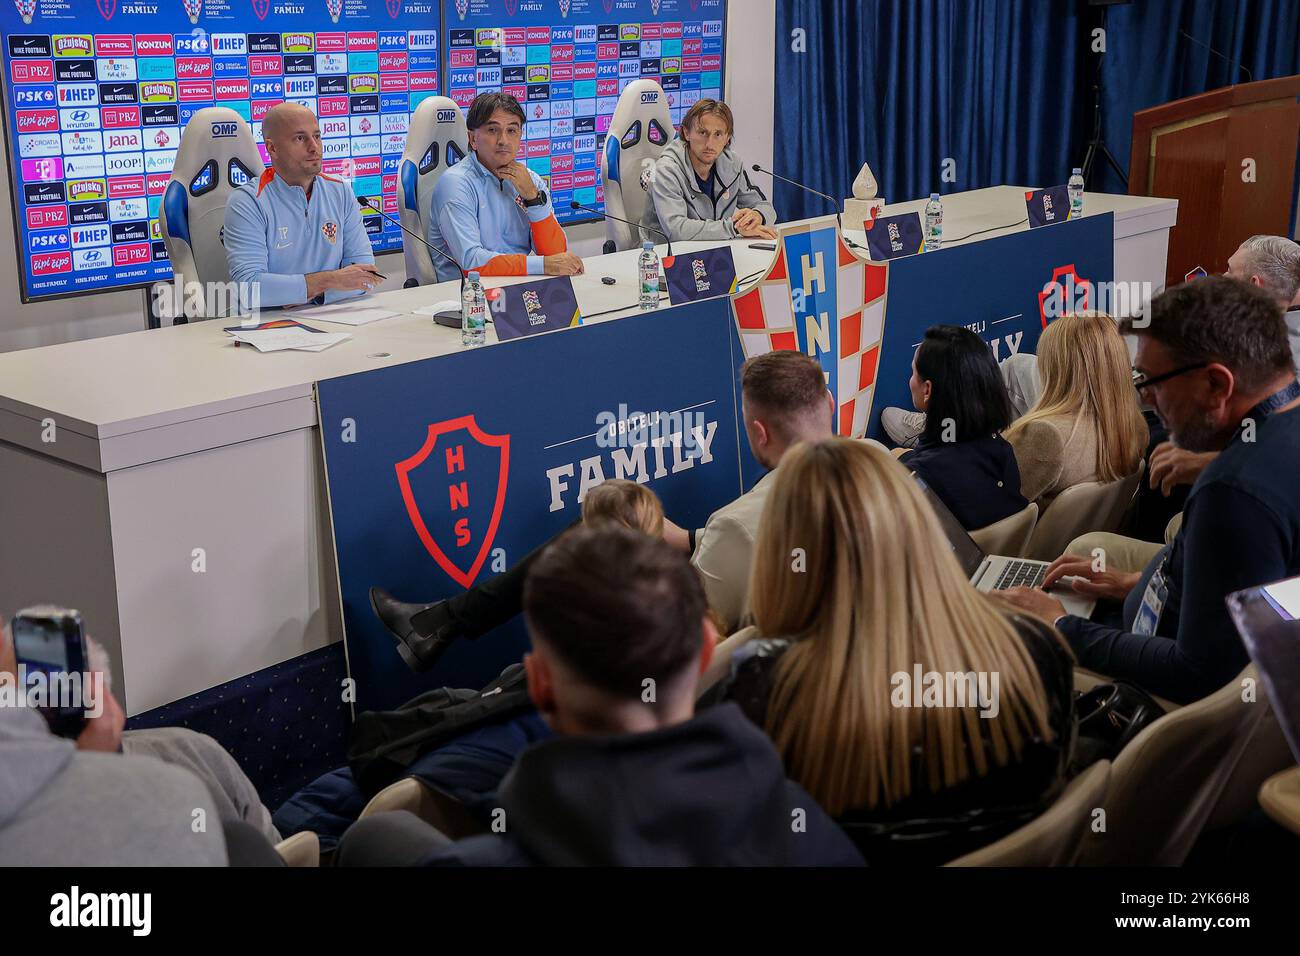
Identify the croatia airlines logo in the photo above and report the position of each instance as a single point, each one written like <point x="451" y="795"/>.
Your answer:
<point x="454" y="489"/>
<point x="261" y="8"/>
<point x="106" y="8"/>
<point x="193" y="9"/>
<point x="335" y="8"/>
<point x="27" y="9"/>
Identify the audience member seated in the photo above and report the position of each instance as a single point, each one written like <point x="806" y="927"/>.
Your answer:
<point x="82" y="803"/>
<point x="633" y="777"/>
<point x="783" y="400"/>
<point x="962" y="455"/>
<point x="700" y="188"/>
<point x="1215" y="361"/>
<point x="1087" y="425"/>
<point x="857" y="595"/>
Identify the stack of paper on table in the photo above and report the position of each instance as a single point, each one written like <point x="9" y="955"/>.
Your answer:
<point x="345" y="313"/>
<point x="281" y="334"/>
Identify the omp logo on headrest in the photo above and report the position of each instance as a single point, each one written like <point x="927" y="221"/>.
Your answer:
<point x="650" y="97"/>
<point x="446" y="116"/>
<point x="222" y="130"/>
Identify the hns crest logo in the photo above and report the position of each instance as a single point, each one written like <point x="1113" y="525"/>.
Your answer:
<point x="454" y="489"/>
<point x="1064" y="293"/>
<point x="106" y="8"/>
<point x="331" y="231"/>
<point x="261" y="8"/>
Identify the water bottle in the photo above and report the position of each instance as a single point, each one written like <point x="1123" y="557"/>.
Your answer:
<point x="648" y="265"/>
<point x="933" y="223"/>
<point x="473" y="312"/>
<point x="1075" y="188"/>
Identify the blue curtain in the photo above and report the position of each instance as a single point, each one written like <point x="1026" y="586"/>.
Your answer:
<point x="1003" y="88"/>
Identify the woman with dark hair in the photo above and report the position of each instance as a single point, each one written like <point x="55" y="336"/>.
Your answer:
<point x="961" y="454"/>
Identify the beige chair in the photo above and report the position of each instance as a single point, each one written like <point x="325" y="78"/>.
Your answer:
<point x="301" y="849"/>
<point x="430" y="805"/>
<point x="1009" y="536"/>
<point x="1183" y="775"/>
<point x="1054" y="837"/>
<point x="1087" y="506"/>
<point x="1280" y="798"/>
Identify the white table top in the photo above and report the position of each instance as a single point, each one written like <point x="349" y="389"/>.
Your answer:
<point x="1004" y="206"/>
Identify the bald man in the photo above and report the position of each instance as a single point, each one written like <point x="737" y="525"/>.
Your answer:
<point x="296" y="234"/>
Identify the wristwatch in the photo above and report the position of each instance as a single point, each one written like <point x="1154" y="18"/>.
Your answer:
<point x="538" y="200"/>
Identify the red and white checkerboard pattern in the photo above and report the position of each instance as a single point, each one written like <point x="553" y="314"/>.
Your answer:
<point x="765" y="320"/>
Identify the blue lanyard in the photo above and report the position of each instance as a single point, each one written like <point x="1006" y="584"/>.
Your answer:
<point x="1268" y="406"/>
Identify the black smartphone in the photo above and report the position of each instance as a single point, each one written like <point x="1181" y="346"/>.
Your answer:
<point x="765" y="246"/>
<point x="50" y="642"/>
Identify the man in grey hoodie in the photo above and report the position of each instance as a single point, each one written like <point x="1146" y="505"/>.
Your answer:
<point x="700" y="190"/>
<point x="61" y="805"/>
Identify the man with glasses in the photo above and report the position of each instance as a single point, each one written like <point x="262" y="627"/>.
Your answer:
<point x="490" y="212"/>
<point x="1214" y="360"/>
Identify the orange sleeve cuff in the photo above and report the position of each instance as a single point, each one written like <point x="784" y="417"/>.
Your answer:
<point x="503" y="265"/>
<point x="548" y="237"/>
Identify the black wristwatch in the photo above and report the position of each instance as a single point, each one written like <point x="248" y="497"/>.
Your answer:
<point x="538" y="200"/>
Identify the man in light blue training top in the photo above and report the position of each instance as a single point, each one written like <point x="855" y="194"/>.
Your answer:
<point x="297" y="233"/>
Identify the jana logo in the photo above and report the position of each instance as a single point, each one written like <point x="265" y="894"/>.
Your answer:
<point x="106" y="8"/>
<point x="456" y="527"/>
<point x="261" y="8"/>
<point x="1065" y="292"/>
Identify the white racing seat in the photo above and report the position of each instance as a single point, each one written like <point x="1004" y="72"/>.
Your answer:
<point x="437" y="140"/>
<point x="639" y="131"/>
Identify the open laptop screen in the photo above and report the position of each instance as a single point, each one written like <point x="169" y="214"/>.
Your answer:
<point x="1268" y="620"/>
<point x="969" y="554"/>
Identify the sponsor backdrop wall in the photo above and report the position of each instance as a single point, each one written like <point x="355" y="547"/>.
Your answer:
<point x="48" y="319"/>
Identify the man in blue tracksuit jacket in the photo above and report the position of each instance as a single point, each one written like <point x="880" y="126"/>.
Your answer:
<point x="296" y="234"/>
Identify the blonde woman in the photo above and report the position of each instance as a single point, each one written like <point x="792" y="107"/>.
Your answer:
<point x="1087" y="424"/>
<point x="858" y="601"/>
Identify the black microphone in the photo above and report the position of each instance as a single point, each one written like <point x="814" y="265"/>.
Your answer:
<point x="1249" y="76"/>
<point x="604" y="215"/>
<point x="451" y="320"/>
<point x="808" y="189"/>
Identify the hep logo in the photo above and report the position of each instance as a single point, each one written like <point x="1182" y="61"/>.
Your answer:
<point x="1065" y="293"/>
<point x="446" y="486"/>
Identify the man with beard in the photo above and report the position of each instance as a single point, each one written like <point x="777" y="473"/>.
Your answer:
<point x="1215" y="362"/>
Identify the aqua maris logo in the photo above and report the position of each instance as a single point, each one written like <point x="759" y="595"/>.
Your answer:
<point x="454" y="490"/>
<point x="130" y="910"/>
<point x="56" y="690"/>
<point x="27" y="9"/>
<point x="947" y="689"/>
<point x="193" y="10"/>
<point x="1064" y="293"/>
<point x="335" y="8"/>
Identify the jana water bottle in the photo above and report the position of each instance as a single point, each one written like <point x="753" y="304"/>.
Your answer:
<point x="473" y="312"/>
<point x="933" y="223"/>
<point x="648" y="266"/>
<point x="1075" y="189"/>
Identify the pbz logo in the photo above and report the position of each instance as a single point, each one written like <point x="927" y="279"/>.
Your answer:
<point x="224" y="130"/>
<point x="454" y="489"/>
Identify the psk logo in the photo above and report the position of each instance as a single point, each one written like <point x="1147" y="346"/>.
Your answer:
<point x="1064" y="293"/>
<point x="27" y="8"/>
<point x="330" y="231"/>
<point x="462" y="8"/>
<point x="193" y="9"/>
<point x="261" y="8"/>
<point x="335" y="7"/>
<point x="162" y="139"/>
<point x="106" y="9"/>
<point x="456" y="520"/>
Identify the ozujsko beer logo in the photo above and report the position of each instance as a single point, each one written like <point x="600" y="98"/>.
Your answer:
<point x="193" y="9"/>
<point x="454" y="489"/>
<point x="1064" y="293"/>
<point x="27" y="8"/>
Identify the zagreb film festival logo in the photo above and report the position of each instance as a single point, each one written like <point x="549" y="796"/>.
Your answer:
<point x="106" y="8"/>
<point x="193" y="9"/>
<point x="27" y="8"/>
<point x="335" y="8"/>
<point x="1065" y="293"/>
<point x="454" y="489"/>
<point x="261" y="8"/>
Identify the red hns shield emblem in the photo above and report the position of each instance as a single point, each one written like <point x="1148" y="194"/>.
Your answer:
<point x="331" y="231"/>
<point x="107" y="8"/>
<point x="394" y="8"/>
<point x="511" y="7"/>
<point x="454" y="488"/>
<point x="261" y="8"/>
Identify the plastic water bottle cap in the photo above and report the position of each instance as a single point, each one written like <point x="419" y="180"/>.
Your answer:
<point x="474" y="277"/>
<point x="648" y="246"/>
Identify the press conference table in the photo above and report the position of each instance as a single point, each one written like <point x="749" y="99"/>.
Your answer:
<point x="170" y="485"/>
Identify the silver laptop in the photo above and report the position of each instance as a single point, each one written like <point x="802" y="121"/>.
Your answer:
<point x="1268" y="620"/>
<point x="990" y="572"/>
